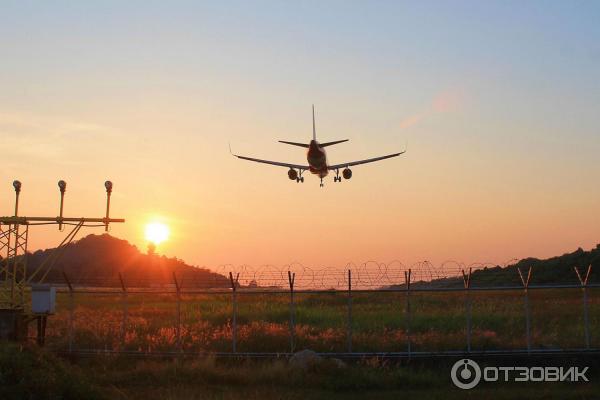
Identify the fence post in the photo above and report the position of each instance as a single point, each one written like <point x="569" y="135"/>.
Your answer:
<point x="407" y="275"/>
<point x="124" y="304"/>
<point x="71" y="311"/>
<point x="178" y="294"/>
<point x="586" y="320"/>
<point x="467" y="283"/>
<point x="349" y="311"/>
<point x="234" y="299"/>
<point x="291" y="279"/>
<point x="527" y="312"/>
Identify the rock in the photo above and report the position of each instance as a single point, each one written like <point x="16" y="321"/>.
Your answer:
<point x="338" y="363"/>
<point x="305" y="359"/>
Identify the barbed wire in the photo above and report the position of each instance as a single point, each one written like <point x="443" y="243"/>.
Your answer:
<point x="369" y="274"/>
<point x="366" y="275"/>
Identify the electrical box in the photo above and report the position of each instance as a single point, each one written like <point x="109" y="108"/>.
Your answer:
<point x="43" y="299"/>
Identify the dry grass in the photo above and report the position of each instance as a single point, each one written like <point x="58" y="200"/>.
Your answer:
<point x="379" y="322"/>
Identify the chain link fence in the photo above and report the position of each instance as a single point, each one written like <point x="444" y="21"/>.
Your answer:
<point x="387" y="310"/>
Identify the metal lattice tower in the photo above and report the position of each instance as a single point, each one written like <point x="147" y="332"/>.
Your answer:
<point x="14" y="235"/>
<point x="13" y="243"/>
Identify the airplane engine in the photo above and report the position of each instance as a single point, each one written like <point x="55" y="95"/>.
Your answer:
<point x="292" y="174"/>
<point x="347" y="173"/>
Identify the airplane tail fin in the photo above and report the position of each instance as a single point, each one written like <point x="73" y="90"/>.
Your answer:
<point x="314" y="129"/>
<point x="314" y="136"/>
<point x="294" y="143"/>
<point x="332" y="143"/>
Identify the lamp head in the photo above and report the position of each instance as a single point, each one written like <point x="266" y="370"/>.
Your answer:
<point x="108" y="185"/>
<point x="17" y="186"/>
<point x="62" y="185"/>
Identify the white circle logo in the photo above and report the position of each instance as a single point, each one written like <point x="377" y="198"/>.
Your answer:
<point x="465" y="374"/>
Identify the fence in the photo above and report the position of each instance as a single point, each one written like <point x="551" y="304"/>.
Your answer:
<point x="264" y="318"/>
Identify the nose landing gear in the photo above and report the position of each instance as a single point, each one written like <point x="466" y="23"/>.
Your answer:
<point x="321" y="185"/>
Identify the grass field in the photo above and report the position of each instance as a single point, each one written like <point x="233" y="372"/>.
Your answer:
<point x="27" y="372"/>
<point x="379" y="324"/>
<point x="379" y="321"/>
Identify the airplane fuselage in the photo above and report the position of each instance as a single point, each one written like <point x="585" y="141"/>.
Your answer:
<point x="317" y="159"/>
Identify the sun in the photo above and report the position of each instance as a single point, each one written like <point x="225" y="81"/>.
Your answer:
<point x="157" y="232"/>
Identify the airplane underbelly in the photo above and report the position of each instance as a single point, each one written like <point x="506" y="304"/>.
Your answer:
<point x="317" y="161"/>
<point x="318" y="167"/>
<point x="321" y="172"/>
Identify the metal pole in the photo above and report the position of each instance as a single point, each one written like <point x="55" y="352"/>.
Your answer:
<point x="71" y="319"/>
<point x="349" y="311"/>
<point x="468" y="311"/>
<point x="527" y="311"/>
<point x="15" y="263"/>
<point x="24" y="243"/>
<point x="408" y="310"/>
<point x="39" y="330"/>
<point x="17" y="186"/>
<point x="62" y="185"/>
<point x="178" y="329"/>
<point x="234" y="300"/>
<point x="291" y="278"/>
<point x="71" y="311"/>
<point x="527" y="320"/>
<point x="109" y="186"/>
<point x="44" y="321"/>
<point x="586" y="320"/>
<point x="125" y="310"/>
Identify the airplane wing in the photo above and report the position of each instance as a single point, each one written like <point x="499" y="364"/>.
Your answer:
<point x="368" y="160"/>
<point x="279" y="164"/>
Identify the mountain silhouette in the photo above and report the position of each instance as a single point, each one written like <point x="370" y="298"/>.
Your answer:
<point x="100" y="260"/>
<point x="557" y="270"/>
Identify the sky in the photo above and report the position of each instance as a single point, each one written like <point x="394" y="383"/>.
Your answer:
<point x="498" y="104"/>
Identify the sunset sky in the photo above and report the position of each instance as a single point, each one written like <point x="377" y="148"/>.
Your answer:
<point x="499" y="104"/>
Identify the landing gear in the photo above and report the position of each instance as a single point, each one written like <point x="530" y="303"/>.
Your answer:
<point x="337" y="177"/>
<point x="293" y="175"/>
<point x="321" y="182"/>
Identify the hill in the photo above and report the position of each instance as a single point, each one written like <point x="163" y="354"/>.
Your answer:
<point x="556" y="271"/>
<point x="99" y="259"/>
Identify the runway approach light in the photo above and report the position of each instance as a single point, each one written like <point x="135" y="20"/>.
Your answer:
<point x="15" y="276"/>
<point x="108" y="185"/>
<point x="62" y="185"/>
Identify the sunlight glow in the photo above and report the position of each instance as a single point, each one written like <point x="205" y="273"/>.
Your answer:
<point x="157" y="232"/>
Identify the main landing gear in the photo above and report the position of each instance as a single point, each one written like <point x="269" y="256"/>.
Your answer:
<point x="321" y="182"/>
<point x="346" y="173"/>
<point x="337" y="177"/>
<point x="295" y="175"/>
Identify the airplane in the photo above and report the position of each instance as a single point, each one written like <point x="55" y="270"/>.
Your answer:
<point x="317" y="159"/>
